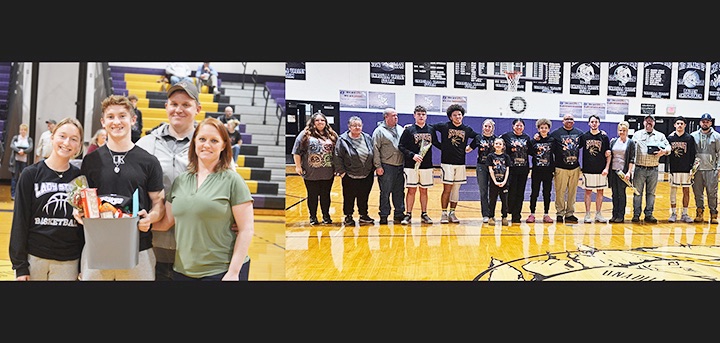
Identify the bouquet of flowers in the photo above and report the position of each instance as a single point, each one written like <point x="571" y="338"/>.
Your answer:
<point x="694" y="169"/>
<point x="424" y="147"/>
<point x="621" y="175"/>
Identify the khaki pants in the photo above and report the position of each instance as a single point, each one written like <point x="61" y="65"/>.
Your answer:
<point x="566" y="181"/>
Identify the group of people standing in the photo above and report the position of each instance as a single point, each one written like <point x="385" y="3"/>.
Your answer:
<point x="564" y="158"/>
<point x="195" y="212"/>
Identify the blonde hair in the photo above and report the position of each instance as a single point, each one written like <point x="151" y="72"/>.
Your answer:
<point x="624" y="124"/>
<point x="78" y="125"/>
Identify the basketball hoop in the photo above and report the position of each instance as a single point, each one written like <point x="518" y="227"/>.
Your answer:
<point x="512" y="77"/>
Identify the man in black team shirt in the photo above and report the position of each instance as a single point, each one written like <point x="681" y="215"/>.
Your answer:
<point x="567" y="168"/>
<point x="454" y="136"/>
<point x="413" y="137"/>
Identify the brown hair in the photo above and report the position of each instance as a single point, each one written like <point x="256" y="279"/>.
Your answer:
<point x="311" y="131"/>
<point x="225" y="155"/>
<point x="72" y="121"/>
<point x="117" y="100"/>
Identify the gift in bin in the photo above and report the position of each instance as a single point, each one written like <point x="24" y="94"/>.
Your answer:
<point x="112" y="238"/>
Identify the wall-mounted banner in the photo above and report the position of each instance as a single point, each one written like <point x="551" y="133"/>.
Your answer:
<point x="691" y="81"/>
<point x="381" y="100"/>
<point x="585" y="78"/>
<point x="387" y="73"/>
<point x="467" y="75"/>
<point x="353" y="99"/>
<point x="656" y="80"/>
<point x="430" y="74"/>
<point x="295" y="70"/>
<point x="714" y="90"/>
<point x="554" y="83"/>
<point x="431" y="103"/>
<point x="448" y="100"/>
<point x="622" y="79"/>
<point x="618" y="106"/>
<point x="594" y="108"/>
<point x="571" y="107"/>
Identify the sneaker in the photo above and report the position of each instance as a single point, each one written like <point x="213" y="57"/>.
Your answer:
<point x="444" y="218"/>
<point x="383" y="220"/>
<point x="491" y="220"/>
<point x="650" y="219"/>
<point x="673" y="218"/>
<point x="314" y="220"/>
<point x="327" y="220"/>
<point x="559" y="219"/>
<point x="571" y="219"/>
<point x="530" y="219"/>
<point x="485" y="219"/>
<point x="636" y="219"/>
<point x="588" y="218"/>
<point x="600" y="219"/>
<point x="453" y="218"/>
<point x="426" y="219"/>
<point x="686" y="218"/>
<point x="397" y="219"/>
<point x="366" y="219"/>
<point x="349" y="221"/>
<point x="515" y="220"/>
<point x="547" y="219"/>
<point x="406" y="219"/>
<point x="505" y="222"/>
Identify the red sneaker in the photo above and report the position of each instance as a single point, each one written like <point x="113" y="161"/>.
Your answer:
<point x="547" y="219"/>
<point x="530" y="219"/>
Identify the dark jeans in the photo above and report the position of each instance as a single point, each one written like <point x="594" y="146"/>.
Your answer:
<point x="483" y="180"/>
<point x="356" y="190"/>
<point x="243" y="276"/>
<point x="494" y="191"/>
<point x="19" y="166"/>
<point x="392" y="182"/>
<point x="542" y="177"/>
<point x="619" y="198"/>
<point x="319" y="189"/>
<point x="516" y="191"/>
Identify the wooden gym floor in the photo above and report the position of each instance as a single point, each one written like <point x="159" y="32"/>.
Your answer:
<point x="267" y="250"/>
<point x="473" y="250"/>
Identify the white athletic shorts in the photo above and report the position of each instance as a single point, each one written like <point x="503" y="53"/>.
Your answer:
<point x="595" y="181"/>
<point x="418" y="178"/>
<point x="680" y="179"/>
<point x="453" y="174"/>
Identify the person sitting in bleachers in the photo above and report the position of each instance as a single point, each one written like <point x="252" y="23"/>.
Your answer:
<point x="176" y="72"/>
<point x="235" y="138"/>
<point x="208" y="76"/>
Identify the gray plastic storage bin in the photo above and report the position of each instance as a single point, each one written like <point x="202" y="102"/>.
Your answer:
<point x="111" y="243"/>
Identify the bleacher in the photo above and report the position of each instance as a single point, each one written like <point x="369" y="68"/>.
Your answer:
<point x="5" y="68"/>
<point x="146" y="84"/>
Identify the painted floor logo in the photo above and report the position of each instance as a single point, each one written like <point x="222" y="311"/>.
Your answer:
<point x="671" y="263"/>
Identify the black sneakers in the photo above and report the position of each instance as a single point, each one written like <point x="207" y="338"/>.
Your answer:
<point x="366" y="219"/>
<point x="571" y="219"/>
<point x="383" y="220"/>
<point x="406" y="220"/>
<point x="314" y="220"/>
<point x="327" y="220"/>
<point x="650" y="219"/>
<point x="349" y="221"/>
<point x="425" y="218"/>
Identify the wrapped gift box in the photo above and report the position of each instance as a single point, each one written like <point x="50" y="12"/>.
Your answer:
<point x="111" y="243"/>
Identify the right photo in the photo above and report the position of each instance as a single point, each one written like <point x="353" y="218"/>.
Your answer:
<point x="502" y="171"/>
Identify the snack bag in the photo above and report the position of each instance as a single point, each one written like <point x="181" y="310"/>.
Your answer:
<point x="74" y="198"/>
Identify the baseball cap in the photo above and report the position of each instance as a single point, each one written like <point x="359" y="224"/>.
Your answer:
<point x="186" y="86"/>
<point x="706" y="116"/>
<point x="649" y="116"/>
<point x="50" y="121"/>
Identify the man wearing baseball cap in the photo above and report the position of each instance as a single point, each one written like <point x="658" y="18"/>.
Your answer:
<point x="651" y="145"/>
<point x="707" y="142"/>
<point x="44" y="143"/>
<point x="170" y="142"/>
